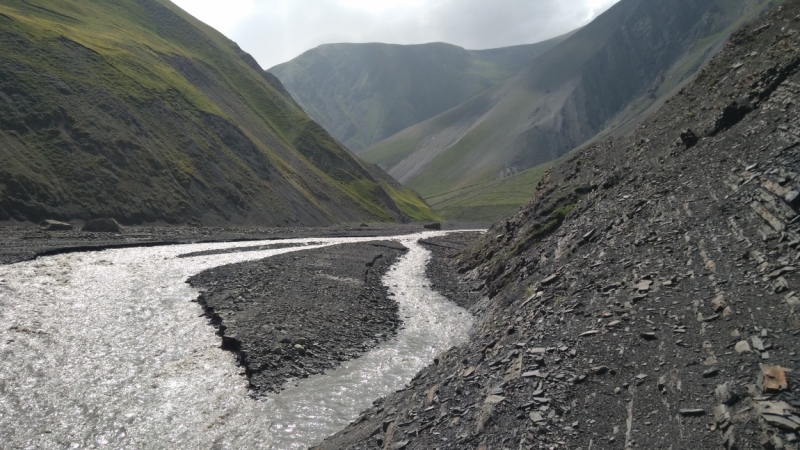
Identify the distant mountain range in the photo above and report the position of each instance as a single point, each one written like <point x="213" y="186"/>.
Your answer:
<point x="364" y="93"/>
<point x="598" y="81"/>
<point x="135" y="110"/>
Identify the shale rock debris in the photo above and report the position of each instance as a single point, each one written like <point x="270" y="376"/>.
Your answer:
<point x="648" y="296"/>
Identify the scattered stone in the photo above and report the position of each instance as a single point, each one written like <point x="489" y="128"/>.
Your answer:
<point x="773" y="221"/>
<point x="55" y="225"/>
<point x="710" y="373"/>
<point x="692" y="412"/>
<point x="643" y="285"/>
<point x="711" y="318"/>
<point x="688" y="138"/>
<point x="793" y="198"/>
<point x="724" y="395"/>
<point x="782" y="271"/>
<point x="648" y="336"/>
<point x="536" y="417"/>
<point x="758" y="344"/>
<point x="549" y="280"/>
<point x="534" y="373"/>
<point x="101" y="226"/>
<point x="492" y="399"/>
<point x="773" y="379"/>
<point x="742" y="347"/>
<point x="721" y="414"/>
<point x="779" y="414"/>
<point x="718" y="304"/>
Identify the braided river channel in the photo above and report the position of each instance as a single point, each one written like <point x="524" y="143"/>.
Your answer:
<point x="108" y="350"/>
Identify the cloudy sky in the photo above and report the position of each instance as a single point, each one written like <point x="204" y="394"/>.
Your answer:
<point x="275" y="31"/>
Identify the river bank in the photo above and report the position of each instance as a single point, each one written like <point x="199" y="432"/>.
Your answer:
<point x="23" y="242"/>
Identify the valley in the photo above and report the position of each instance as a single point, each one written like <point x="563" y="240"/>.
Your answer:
<point x="591" y="242"/>
<point x="600" y="80"/>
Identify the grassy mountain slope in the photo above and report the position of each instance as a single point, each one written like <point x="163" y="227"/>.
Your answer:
<point x="490" y="200"/>
<point x="607" y="75"/>
<point x="363" y="93"/>
<point x="134" y="109"/>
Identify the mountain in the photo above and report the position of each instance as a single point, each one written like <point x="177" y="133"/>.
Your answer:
<point x="604" y="78"/>
<point x="135" y="110"/>
<point x="363" y="93"/>
<point x="648" y="296"/>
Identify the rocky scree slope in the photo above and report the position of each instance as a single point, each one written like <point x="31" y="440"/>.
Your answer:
<point x="363" y="93"/>
<point x="135" y="110"/>
<point x="647" y="297"/>
<point x="605" y="75"/>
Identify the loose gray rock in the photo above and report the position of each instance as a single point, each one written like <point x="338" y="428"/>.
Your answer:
<point x="55" y="225"/>
<point x="101" y="226"/>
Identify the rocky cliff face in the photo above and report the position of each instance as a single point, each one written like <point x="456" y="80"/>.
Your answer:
<point x="647" y="297"/>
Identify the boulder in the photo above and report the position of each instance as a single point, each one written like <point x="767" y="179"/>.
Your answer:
<point x="433" y="226"/>
<point x="101" y="226"/>
<point x="55" y="225"/>
<point x="689" y="139"/>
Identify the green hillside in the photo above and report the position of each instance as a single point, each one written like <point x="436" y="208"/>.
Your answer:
<point x="491" y="200"/>
<point x="133" y="109"/>
<point x="363" y="93"/>
<point x="603" y="79"/>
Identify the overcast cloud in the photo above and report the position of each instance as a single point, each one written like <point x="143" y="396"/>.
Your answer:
<point x="275" y="31"/>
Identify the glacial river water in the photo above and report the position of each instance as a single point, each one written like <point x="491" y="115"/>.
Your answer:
<point x="107" y="350"/>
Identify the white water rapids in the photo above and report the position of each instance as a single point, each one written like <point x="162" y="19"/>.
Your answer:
<point x="107" y="350"/>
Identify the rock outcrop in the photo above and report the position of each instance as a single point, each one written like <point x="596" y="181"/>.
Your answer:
<point x="647" y="297"/>
<point x="101" y="226"/>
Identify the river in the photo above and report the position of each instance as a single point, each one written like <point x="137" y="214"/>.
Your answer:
<point x="108" y="350"/>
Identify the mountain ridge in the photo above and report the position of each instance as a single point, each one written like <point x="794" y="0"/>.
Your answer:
<point x="632" y="56"/>
<point x="363" y="93"/>
<point x="136" y="110"/>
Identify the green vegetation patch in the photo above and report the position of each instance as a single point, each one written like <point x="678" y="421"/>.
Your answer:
<point x="489" y="201"/>
<point x="135" y="110"/>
